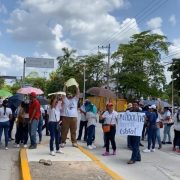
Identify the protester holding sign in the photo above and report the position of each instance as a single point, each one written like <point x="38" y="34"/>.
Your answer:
<point x="109" y="128"/>
<point x="135" y="140"/>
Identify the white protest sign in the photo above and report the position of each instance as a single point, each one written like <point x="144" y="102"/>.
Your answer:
<point x="130" y="123"/>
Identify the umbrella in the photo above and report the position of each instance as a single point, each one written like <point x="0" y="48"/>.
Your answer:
<point x="4" y="93"/>
<point x="43" y="100"/>
<point x="15" y="100"/>
<point x="28" y="90"/>
<point x="99" y="91"/>
<point x="156" y="102"/>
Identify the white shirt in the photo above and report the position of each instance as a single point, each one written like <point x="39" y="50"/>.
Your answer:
<point x="70" y="107"/>
<point x="4" y="118"/>
<point x="54" y="114"/>
<point x="110" y="118"/>
<point x="91" y="118"/>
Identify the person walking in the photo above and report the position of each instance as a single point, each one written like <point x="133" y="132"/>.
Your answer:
<point x="110" y="120"/>
<point x="5" y="116"/>
<point x="54" y="126"/>
<point x="34" y="116"/>
<point x="70" y="105"/>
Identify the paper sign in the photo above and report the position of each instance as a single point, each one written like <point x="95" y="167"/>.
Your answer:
<point x="72" y="82"/>
<point x="130" y="123"/>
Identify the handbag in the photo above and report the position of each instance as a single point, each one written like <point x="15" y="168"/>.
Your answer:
<point x="107" y="127"/>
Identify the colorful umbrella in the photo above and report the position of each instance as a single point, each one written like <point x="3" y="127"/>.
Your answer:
<point x="28" y="90"/>
<point x="4" y="93"/>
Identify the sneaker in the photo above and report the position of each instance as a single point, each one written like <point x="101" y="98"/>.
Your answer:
<point x="52" y="153"/>
<point x="173" y="149"/>
<point x="6" y="148"/>
<point x="131" y="162"/>
<point x="94" y="147"/>
<point x="160" y="146"/>
<point x="106" y="154"/>
<point x="75" y="145"/>
<point x="62" y="145"/>
<point x="146" y="150"/>
<point x="32" y="147"/>
<point x="169" y="142"/>
<point x="163" y="142"/>
<point x="25" y="145"/>
<point x="39" y="142"/>
<point x="152" y="150"/>
<point x="90" y="147"/>
<point x="16" y="145"/>
<point x="59" y="151"/>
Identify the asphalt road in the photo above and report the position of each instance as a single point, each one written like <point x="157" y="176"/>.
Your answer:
<point x="161" y="164"/>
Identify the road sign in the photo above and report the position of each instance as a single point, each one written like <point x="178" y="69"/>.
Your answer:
<point x="39" y="62"/>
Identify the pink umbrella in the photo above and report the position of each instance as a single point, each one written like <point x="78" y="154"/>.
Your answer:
<point x="28" y="90"/>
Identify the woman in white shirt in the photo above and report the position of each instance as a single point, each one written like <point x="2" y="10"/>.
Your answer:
<point x="5" y="115"/>
<point x="54" y="126"/>
<point x="110" y="117"/>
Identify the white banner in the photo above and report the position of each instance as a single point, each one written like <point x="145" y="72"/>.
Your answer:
<point x="130" y="123"/>
<point x="39" y="62"/>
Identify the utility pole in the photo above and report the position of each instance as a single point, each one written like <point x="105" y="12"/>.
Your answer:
<point x="24" y="72"/>
<point x="108" y="47"/>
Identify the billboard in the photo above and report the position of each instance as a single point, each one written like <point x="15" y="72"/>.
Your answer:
<point x="39" y="62"/>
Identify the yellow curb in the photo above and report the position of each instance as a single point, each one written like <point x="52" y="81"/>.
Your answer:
<point x="25" y="170"/>
<point x="114" y="175"/>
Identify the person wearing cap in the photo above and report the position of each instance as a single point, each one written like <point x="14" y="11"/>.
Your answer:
<point x="110" y="118"/>
<point x="151" y="128"/>
<point x="34" y="116"/>
<point x="5" y="116"/>
<point x="83" y="120"/>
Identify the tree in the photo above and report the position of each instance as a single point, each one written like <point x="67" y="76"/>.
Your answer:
<point x="2" y="81"/>
<point x="138" y="70"/>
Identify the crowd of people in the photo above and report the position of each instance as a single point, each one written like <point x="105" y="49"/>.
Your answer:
<point x="61" y="117"/>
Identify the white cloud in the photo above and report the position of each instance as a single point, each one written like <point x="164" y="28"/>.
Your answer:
<point x="3" y="8"/>
<point x="155" y="25"/>
<point x="172" y="20"/>
<point x="53" y="24"/>
<point x="0" y="33"/>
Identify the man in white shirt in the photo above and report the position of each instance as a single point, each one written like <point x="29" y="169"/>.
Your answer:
<point x="70" y="105"/>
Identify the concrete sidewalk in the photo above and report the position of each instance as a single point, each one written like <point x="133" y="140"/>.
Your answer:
<point x="73" y="164"/>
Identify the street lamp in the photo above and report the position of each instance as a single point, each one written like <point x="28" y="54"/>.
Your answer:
<point x="84" y="80"/>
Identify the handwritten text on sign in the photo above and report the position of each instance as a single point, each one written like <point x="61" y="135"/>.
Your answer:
<point x="130" y="123"/>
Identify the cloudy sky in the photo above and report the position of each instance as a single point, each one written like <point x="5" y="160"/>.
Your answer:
<point x="40" y="28"/>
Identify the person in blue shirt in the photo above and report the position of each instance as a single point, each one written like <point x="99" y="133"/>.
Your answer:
<point x="152" y="116"/>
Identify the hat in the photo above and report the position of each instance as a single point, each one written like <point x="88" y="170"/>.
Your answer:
<point x="33" y="94"/>
<point x="129" y="105"/>
<point x="152" y="106"/>
<point x="109" y="104"/>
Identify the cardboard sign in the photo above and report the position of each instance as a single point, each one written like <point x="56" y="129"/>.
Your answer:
<point x="130" y="123"/>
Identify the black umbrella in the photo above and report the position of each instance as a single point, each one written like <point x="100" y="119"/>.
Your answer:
<point x="43" y="100"/>
<point x="15" y="100"/>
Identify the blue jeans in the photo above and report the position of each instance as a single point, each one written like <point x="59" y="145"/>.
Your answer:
<point x="40" y="125"/>
<point x="32" y="131"/>
<point x="167" y="132"/>
<point x="135" y="141"/>
<point x="90" y="134"/>
<point x="54" y="134"/>
<point x="4" y="126"/>
<point x="151" y="136"/>
<point x="158" y="136"/>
